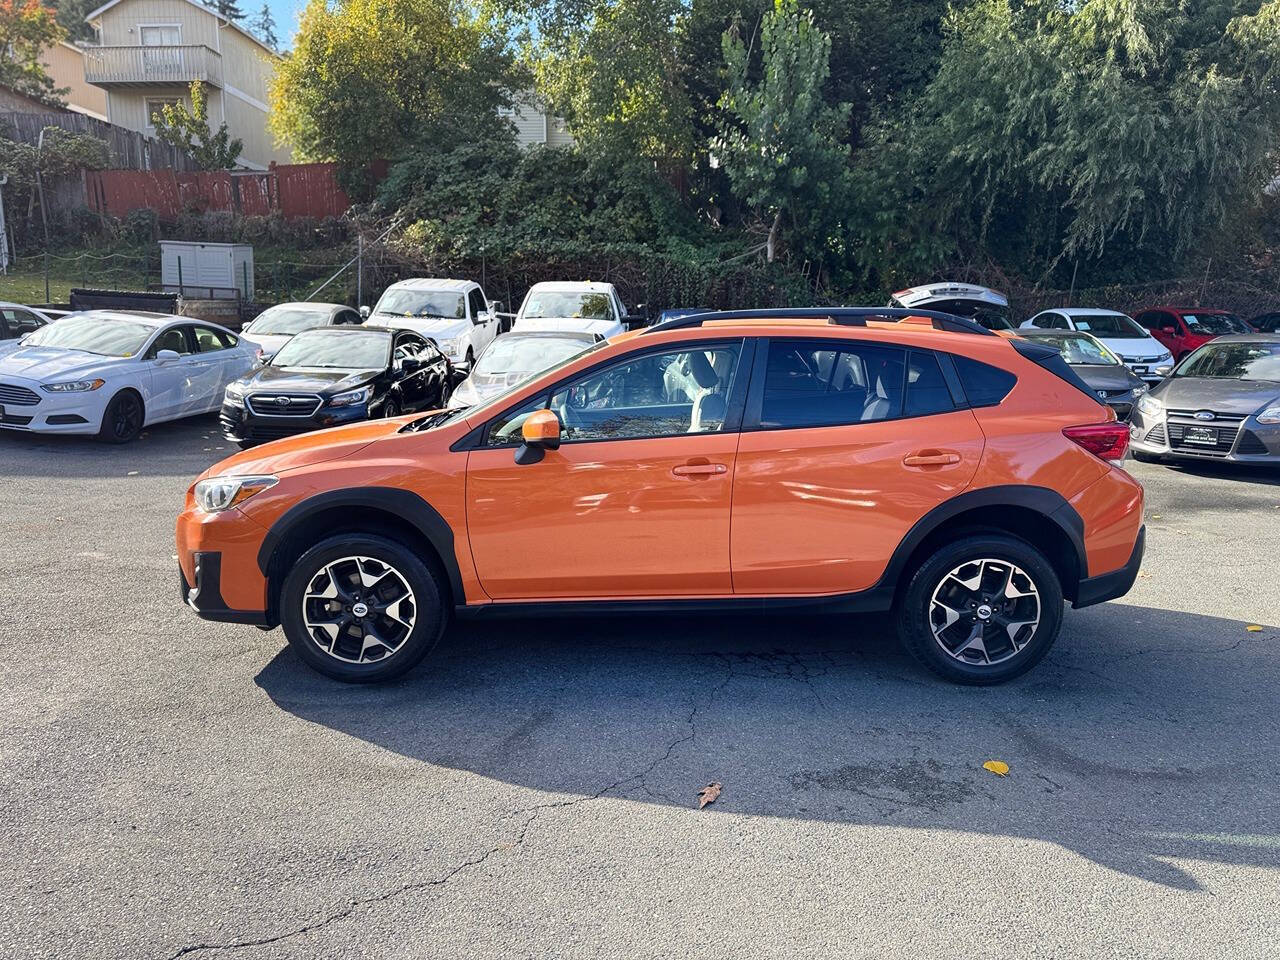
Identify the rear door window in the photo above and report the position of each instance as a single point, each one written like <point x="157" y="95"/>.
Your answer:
<point x="927" y="391"/>
<point x="826" y="383"/>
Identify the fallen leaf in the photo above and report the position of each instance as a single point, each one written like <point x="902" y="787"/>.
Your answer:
<point x="998" y="767"/>
<point x="1254" y="628"/>
<point x="133" y="473"/>
<point x="1145" y="576"/>
<point x="1156" y="516"/>
<point x="708" y="794"/>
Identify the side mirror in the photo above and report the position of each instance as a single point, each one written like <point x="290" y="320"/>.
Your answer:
<point x="495" y="306"/>
<point x="540" y="433"/>
<point x="633" y="322"/>
<point x="413" y="364"/>
<point x="167" y="356"/>
<point x="364" y="312"/>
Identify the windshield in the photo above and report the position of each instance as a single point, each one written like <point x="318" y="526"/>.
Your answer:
<point x="337" y="349"/>
<point x="480" y="409"/>
<point x="288" y="320"/>
<point x="543" y="304"/>
<point x="1214" y="323"/>
<point x="105" y="337"/>
<point x="423" y="303"/>
<point x="1118" y="326"/>
<point x="1080" y="350"/>
<point x="509" y="354"/>
<point x="1234" y="361"/>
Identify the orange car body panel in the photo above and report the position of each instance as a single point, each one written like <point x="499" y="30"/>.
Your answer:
<point x="796" y="512"/>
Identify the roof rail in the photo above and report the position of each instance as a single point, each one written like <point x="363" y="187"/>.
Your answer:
<point x="841" y="316"/>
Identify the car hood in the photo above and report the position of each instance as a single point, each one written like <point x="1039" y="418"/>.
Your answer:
<point x="269" y="342"/>
<point x="305" y="380"/>
<point x="304" y="449"/>
<point x="601" y="328"/>
<point x="427" y="326"/>
<point x="1110" y="376"/>
<point x="47" y="363"/>
<point x="1222" y="396"/>
<point x="1134" y="346"/>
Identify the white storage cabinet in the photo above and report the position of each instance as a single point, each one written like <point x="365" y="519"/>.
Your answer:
<point x="207" y="270"/>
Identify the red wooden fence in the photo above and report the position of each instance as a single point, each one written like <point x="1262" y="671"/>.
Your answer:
<point x="296" y="190"/>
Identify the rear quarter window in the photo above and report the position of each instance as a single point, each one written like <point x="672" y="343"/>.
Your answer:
<point x="984" y="385"/>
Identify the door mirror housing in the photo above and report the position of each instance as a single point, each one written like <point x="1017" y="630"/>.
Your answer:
<point x="364" y="312"/>
<point x="412" y="364"/>
<point x="167" y="356"/>
<point x="540" y="433"/>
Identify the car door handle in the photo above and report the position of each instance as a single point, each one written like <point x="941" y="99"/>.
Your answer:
<point x="931" y="458"/>
<point x="699" y="469"/>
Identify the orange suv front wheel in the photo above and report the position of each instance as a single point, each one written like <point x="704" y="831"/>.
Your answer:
<point x="982" y="609"/>
<point x="362" y="609"/>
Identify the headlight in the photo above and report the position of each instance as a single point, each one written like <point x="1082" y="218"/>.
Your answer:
<point x="350" y="397"/>
<point x="1149" y="406"/>
<point x="447" y="347"/>
<point x="464" y="395"/>
<point x="1166" y="358"/>
<point x="73" y="386"/>
<point x="1270" y="415"/>
<point x="1140" y="389"/>
<point x="222" y="493"/>
<point x="234" y="395"/>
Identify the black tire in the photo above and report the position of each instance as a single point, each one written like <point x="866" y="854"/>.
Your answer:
<point x="428" y="610"/>
<point x="916" y="607"/>
<point x="471" y="360"/>
<point x="391" y="407"/>
<point x="122" y="420"/>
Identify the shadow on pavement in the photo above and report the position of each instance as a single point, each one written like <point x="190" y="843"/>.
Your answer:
<point x="1146" y="736"/>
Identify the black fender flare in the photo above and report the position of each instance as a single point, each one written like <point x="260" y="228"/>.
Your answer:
<point x="1048" y="503"/>
<point x="405" y="505"/>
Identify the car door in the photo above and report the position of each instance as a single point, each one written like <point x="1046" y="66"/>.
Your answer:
<point x="845" y="445"/>
<point x="483" y="324"/>
<point x="634" y="503"/>
<point x="1164" y="327"/>
<point x="435" y="377"/>
<point x="213" y="366"/>
<point x="18" y="323"/>
<point x="171" y="379"/>
<point x="410" y="382"/>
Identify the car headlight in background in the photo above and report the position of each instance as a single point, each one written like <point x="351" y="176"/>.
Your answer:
<point x="222" y="493"/>
<point x="234" y="395"/>
<point x="350" y="397"/>
<point x="464" y="395"/>
<point x="1140" y="389"/>
<point x="1270" y="415"/>
<point x="1149" y="406"/>
<point x="73" y="386"/>
<point x="447" y="347"/>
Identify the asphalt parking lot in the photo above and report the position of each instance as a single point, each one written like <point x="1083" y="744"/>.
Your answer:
<point x="175" y="787"/>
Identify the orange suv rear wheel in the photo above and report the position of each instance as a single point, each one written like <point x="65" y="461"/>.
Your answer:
<point x="982" y="609"/>
<point x="362" y="609"/>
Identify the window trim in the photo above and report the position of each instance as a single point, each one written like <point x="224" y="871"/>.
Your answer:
<point x="739" y="385"/>
<point x="188" y="334"/>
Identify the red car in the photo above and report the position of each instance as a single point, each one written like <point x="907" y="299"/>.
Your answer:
<point x="1183" y="329"/>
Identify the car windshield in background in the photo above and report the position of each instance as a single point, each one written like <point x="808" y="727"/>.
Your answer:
<point x="107" y="338"/>
<point x="1081" y="350"/>
<point x="586" y="306"/>
<point x="423" y="303"/>
<point x="1237" y="323"/>
<point x="1214" y="323"/>
<point x="336" y="349"/>
<point x="1234" y="361"/>
<point x="288" y="320"/>
<point x="1117" y="326"/>
<point x="516" y="354"/>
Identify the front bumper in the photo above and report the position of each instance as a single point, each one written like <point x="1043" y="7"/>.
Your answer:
<point x="1117" y="583"/>
<point x="1233" y="441"/>
<point x="51" y="413"/>
<point x="241" y="424"/>
<point x="205" y="598"/>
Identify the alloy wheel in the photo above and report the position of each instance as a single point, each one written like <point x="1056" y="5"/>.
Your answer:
<point x="127" y="417"/>
<point x="984" y="612"/>
<point x="359" y="609"/>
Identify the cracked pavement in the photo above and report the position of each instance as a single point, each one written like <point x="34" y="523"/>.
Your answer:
<point x="180" y="788"/>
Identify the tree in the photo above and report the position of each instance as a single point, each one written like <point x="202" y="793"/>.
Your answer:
<point x="26" y="28"/>
<point x="780" y="140"/>
<point x="71" y="15"/>
<point x="229" y="9"/>
<point x="189" y="130"/>
<point x="381" y="78"/>
<point x="265" y="27"/>
<point x="611" y="68"/>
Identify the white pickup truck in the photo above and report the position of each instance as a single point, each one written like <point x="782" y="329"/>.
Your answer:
<point x="578" y="307"/>
<point x="453" y="314"/>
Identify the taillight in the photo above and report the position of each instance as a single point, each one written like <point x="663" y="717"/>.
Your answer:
<point x="1107" y="441"/>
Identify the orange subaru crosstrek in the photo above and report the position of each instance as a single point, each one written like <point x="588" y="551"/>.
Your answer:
<point x="841" y="458"/>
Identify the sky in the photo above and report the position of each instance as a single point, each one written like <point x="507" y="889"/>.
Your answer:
<point x="285" y="13"/>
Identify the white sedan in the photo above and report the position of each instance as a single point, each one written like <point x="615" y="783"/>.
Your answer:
<point x="112" y="373"/>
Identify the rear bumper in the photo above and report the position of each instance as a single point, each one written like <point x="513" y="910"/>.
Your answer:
<point x="205" y="597"/>
<point x="1117" y="583"/>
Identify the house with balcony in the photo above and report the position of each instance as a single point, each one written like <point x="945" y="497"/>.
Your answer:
<point x="149" y="52"/>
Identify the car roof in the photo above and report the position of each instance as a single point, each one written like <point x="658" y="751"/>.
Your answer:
<point x="1085" y="311"/>
<point x="572" y="286"/>
<point x="1191" y="309"/>
<point x="548" y="335"/>
<point x="1245" y="338"/>
<point x="1048" y="334"/>
<point x="347" y="328"/>
<point x="144" y="317"/>
<point x="949" y="290"/>
<point x="434" y="283"/>
<point x="311" y="303"/>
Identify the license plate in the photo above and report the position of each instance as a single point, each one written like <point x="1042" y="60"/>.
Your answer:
<point x="1139" y="369"/>
<point x="1201" y="435"/>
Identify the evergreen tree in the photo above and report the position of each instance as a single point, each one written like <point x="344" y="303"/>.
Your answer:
<point x="264" y="25"/>
<point x="229" y="9"/>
